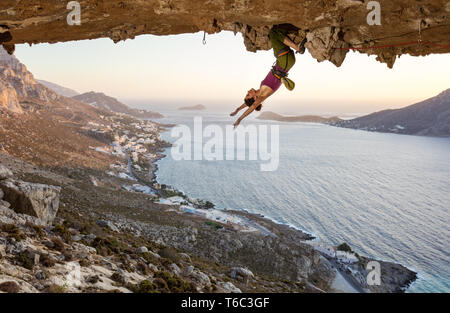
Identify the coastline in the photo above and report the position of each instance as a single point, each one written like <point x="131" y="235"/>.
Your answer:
<point x="119" y="210"/>
<point x="354" y="280"/>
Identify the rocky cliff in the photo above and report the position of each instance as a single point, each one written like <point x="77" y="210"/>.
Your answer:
<point x="17" y="83"/>
<point x="331" y="27"/>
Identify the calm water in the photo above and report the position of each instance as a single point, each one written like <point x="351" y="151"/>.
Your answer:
<point x="386" y="195"/>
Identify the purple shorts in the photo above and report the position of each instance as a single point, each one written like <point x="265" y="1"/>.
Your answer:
<point x="271" y="81"/>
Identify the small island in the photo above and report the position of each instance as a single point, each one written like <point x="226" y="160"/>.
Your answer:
<point x="271" y="116"/>
<point x="198" y="107"/>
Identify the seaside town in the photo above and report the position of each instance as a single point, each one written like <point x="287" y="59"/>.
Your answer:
<point x="136" y="146"/>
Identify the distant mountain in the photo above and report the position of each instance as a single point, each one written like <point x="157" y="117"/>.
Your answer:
<point x="102" y="101"/>
<point x="271" y="116"/>
<point x="60" y="90"/>
<point x="198" y="107"/>
<point x="427" y="118"/>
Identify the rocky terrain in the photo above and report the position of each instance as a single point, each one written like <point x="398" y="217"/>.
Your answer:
<point x="198" y="107"/>
<point x="271" y="116"/>
<point x="331" y="27"/>
<point x="114" y="240"/>
<point x="104" y="102"/>
<point x="427" y="118"/>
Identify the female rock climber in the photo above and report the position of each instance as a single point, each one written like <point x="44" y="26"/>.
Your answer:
<point x="281" y="45"/>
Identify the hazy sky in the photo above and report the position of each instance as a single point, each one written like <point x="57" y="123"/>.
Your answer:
<point x="177" y="70"/>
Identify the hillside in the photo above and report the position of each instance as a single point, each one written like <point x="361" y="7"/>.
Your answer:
<point x="104" y="102"/>
<point x="271" y="116"/>
<point x="427" y="118"/>
<point x="60" y="90"/>
<point x="40" y="126"/>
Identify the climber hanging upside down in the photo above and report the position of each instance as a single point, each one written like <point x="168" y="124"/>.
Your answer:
<point x="281" y="45"/>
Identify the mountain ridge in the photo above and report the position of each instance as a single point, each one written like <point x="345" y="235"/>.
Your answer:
<point x="271" y="116"/>
<point x="105" y="102"/>
<point x="61" y="90"/>
<point x="430" y="117"/>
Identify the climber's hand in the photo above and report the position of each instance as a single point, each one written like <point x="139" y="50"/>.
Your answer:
<point x="301" y="47"/>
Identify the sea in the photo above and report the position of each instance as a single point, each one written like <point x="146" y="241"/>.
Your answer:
<point x="386" y="195"/>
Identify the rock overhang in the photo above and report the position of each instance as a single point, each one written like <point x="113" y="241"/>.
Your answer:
<point x="332" y="28"/>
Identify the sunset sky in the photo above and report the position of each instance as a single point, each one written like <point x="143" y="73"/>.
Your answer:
<point x="171" y="71"/>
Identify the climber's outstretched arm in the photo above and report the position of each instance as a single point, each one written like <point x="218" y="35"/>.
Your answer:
<point x="238" y="109"/>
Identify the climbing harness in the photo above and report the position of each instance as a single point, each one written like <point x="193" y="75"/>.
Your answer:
<point x="283" y="51"/>
<point x="283" y="75"/>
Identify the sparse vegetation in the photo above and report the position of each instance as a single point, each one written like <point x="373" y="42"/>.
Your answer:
<point x="25" y="261"/>
<point x="107" y="246"/>
<point x="344" y="247"/>
<point x="63" y="232"/>
<point x="174" y="283"/>
<point x="47" y="260"/>
<point x="56" y="289"/>
<point x="13" y="232"/>
<point x="144" y="286"/>
<point x="9" y="287"/>
<point x="171" y="254"/>
<point x="58" y="244"/>
<point x="214" y="225"/>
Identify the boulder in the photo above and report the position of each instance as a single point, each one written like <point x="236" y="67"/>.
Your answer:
<point x="141" y="250"/>
<point x="5" y="173"/>
<point x="188" y="270"/>
<point x="201" y="278"/>
<point x="107" y="224"/>
<point x="185" y="257"/>
<point x="241" y="274"/>
<point x="38" y="200"/>
<point x="175" y="269"/>
<point x="228" y="287"/>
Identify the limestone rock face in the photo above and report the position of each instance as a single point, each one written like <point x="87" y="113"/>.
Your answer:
<point x="41" y="201"/>
<point x="9" y="99"/>
<point x="17" y="83"/>
<point x="327" y="24"/>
